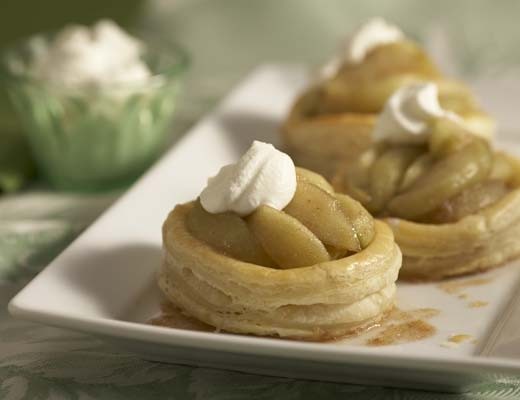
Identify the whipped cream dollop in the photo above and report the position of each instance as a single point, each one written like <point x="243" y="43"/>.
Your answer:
<point x="407" y="114"/>
<point x="262" y="176"/>
<point x="353" y="50"/>
<point x="81" y="57"/>
<point x="370" y="35"/>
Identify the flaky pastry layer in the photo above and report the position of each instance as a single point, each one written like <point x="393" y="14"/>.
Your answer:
<point x="478" y="242"/>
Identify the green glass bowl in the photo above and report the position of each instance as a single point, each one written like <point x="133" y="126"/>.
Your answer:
<point x="95" y="139"/>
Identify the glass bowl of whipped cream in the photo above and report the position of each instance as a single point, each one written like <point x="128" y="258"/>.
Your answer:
<point x="95" y="102"/>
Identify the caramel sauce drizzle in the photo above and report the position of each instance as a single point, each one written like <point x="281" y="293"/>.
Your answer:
<point x="404" y="327"/>
<point x="459" y="338"/>
<point x="398" y="326"/>
<point x="172" y="317"/>
<point x="456" y="339"/>
<point x="478" y="304"/>
<point x="457" y="286"/>
<point x="403" y="332"/>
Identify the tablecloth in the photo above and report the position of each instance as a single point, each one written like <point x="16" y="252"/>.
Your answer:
<point x="40" y="362"/>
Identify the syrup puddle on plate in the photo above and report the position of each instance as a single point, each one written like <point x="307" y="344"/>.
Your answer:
<point x="457" y="339"/>
<point x="403" y="327"/>
<point x="477" y="304"/>
<point x="171" y="317"/>
<point x="397" y="327"/>
<point x="462" y="337"/>
<point x="456" y="287"/>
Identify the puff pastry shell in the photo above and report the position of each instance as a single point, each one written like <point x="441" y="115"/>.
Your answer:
<point x="318" y="302"/>
<point x="475" y="243"/>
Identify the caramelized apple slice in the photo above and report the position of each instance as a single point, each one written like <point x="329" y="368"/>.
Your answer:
<point x="359" y="217"/>
<point x="502" y="168"/>
<point x="306" y="175"/>
<point x="285" y="239"/>
<point x="447" y="137"/>
<point x="322" y="214"/>
<point x="335" y="253"/>
<point x="387" y="172"/>
<point x="402" y="57"/>
<point x="365" y="87"/>
<point x="469" y="202"/>
<point x="353" y="177"/>
<point x="356" y="192"/>
<point x="416" y="169"/>
<point x="456" y="97"/>
<point x="228" y="233"/>
<point x="446" y="179"/>
<point x="392" y="59"/>
<point x="514" y="163"/>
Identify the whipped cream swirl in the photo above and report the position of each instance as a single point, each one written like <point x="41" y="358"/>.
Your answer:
<point x="82" y="57"/>
<point x="373" y="33"/>
<point x="407" y="114"/>
<point x="262" y="176"/>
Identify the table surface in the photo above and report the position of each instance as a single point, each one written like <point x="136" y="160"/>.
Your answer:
<point x="40" y="362"/>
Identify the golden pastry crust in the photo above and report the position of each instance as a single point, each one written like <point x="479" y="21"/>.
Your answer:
<point x="475" y="243"/>
<point x="319" y="302"/>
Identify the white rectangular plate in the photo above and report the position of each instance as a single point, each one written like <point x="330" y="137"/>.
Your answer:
<point x="104" y="283"/>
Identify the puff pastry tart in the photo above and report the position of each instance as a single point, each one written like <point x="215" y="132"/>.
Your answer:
<point x="452" y="202"/>
<point x="332" y="120"/>
<point x="315" y="266"/>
